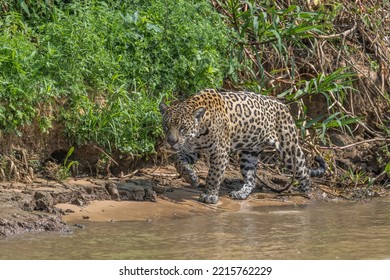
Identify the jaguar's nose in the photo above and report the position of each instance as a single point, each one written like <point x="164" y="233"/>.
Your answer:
<point x="173" y="142"/>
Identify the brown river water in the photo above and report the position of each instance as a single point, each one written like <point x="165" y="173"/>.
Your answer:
<point x="320" y="230"/>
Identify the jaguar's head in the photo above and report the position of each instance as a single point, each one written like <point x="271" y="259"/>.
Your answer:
<point x="181" y="124"/>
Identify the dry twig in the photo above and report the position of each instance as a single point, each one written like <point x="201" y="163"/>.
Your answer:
<point x="355" y="144"/>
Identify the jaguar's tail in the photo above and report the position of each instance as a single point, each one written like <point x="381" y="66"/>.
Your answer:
<point x="318" y="172"/>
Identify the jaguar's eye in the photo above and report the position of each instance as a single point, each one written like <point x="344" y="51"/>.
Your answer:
<point x="182" y="130"/>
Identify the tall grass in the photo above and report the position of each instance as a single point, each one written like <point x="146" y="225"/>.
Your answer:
<point x="297" y="51"/>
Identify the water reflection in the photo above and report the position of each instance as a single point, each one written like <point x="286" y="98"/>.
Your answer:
<point x="315" y="231"/>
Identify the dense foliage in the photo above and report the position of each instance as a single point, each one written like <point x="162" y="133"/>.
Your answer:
<point x="100" y="67"/>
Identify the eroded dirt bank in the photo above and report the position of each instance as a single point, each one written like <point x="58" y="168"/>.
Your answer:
<point x="149" y="194"/>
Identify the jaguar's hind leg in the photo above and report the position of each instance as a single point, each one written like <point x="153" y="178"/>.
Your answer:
<point x="183" y="164"/>
<point x="248" y="167"/>
<point x="294" y="160"/>
<point x="299" y="169"/>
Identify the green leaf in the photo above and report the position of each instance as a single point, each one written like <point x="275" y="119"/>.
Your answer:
<point x="24" y="6"/>
<point x="387" y="169"/>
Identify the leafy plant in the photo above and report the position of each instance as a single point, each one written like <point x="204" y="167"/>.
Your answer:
<point x="266" y="34"/>
<point x="387" y="169"/>
<point x="65" y="169"/>
<point x="334" y="87"/>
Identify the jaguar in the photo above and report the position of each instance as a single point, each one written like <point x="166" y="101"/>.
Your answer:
<point x="214" y="124"/>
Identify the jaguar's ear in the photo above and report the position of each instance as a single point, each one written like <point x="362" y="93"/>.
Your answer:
<point x="198" y="113"/>
<point x="163" y="107"/>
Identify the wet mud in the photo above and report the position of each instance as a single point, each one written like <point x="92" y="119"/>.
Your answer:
<point x="147" y="194"/>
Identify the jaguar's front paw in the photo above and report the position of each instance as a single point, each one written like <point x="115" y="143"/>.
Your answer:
<point x="239" y="195"/>
<point x="208" y="198"/>
<point x="191" y="178"/>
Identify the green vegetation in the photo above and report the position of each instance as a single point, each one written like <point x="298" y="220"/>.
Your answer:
<point x="65" y="168"/>
<point x="99" y="67"/>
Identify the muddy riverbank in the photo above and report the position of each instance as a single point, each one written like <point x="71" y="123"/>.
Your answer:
<point x="146" y="195"/>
